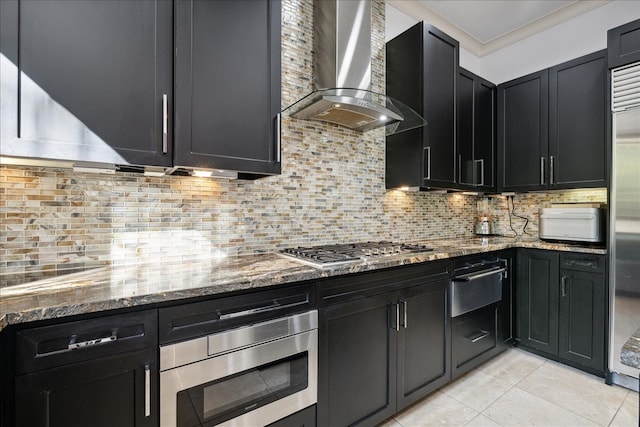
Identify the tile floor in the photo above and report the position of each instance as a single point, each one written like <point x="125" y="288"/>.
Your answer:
<point x="518" y="388"/>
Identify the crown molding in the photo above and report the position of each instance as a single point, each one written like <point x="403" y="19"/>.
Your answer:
<point x="418" y="11"/>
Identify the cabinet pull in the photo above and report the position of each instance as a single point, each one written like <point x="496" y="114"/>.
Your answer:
<point x="483" y="334"/>
<point x="404" y="313"/>
<point x="563" y="286"/>
<point x="165" y="123"/>
<point x="542" y="162"/>
<point x="147" y="391"/>
<point x="550" y="169"/>
<point x="278" y="136"/>
<point x="76" y="345"/>
<point x="506" y="267"/>
<point x="427" y="162"/>
<point x="481" y="161"/>
<point x="396" y="308"/>
<point x="460" y="168"/>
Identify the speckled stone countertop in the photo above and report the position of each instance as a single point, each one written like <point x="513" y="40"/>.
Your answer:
<point x="630" y="354"/>
<point x="139" y="281"/>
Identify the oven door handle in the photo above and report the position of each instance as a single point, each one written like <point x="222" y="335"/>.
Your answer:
<point x="479" y="275"/>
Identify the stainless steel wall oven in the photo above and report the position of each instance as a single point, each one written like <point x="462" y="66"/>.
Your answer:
<point x="253" y="374"/>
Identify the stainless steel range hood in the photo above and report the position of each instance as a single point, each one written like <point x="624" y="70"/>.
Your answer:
<point x="342" y="73"/>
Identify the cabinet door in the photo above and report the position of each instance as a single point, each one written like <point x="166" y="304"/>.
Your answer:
<point x="85" y="80"/>
<point x="537" y="290"/>
<point x="465" y="120"/>
<point x="476" y="131"/>
<point x="423" y="342"/>
<point x="582" y="318"/>
<point x="523" y="133"/>
<point x="357" y="359"/>
<point x="118" y="391"/>
<point x="623" y="44"/>
<point x="577" y="115"/>
<point x="440" y="70"/>
<point x="228" y="85"/>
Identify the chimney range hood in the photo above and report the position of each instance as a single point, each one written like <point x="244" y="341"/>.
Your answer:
<point x="342" y="74"/>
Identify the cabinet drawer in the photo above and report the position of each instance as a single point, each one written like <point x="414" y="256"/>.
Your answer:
<point x="473" y="334"/>
<point x="73" y="342"/>
<point x="582" y="262"/>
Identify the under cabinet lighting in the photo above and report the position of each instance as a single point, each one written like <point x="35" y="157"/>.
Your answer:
<point x="24" y="161"/>
<point x="202" y="173"/>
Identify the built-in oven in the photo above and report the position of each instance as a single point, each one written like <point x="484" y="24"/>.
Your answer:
<point x="476" y="294"/>
<point x="251" y="375"/>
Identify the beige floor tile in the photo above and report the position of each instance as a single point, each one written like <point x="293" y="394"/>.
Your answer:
<point x="512" y="365"/>
<point x="436" y="410"/>
<point x="627" y="415"/>
<point x="575" y="391"/>
<point x="519" y="408"/>
<point x="391" y="422"/>
<point x="477" y="389"/>
<point x="482" y="421"/>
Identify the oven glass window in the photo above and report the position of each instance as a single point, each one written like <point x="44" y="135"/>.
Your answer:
<point x="221" y="400"/>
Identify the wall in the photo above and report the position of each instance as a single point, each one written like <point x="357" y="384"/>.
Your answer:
<point x="331" y="190"/>
<point x="576" y="37"/>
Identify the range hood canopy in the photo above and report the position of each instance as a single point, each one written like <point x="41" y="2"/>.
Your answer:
<point x="342" y="74"/>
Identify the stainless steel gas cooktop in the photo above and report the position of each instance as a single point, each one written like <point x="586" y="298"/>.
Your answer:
<point x="332" y="255"/>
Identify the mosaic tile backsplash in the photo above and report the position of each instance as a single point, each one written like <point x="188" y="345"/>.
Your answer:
<point x="331" y="190"/>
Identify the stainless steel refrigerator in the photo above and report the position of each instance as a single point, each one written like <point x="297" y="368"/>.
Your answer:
<point x="624" y="231"/>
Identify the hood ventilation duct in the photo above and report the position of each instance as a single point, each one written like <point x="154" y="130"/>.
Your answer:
<point x="342" y="74"/>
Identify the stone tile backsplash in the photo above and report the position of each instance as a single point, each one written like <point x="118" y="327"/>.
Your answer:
<point x="331" y="190"/>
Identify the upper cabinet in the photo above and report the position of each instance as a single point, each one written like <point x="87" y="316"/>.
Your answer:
<point x="577" y="123"/>
<point x="476" y="140"/>
<point x="94" y="81"/>
<point x="228" y="85"/>
<point x="623" y="44"/>
<point x="552" y="127"/>
<point x="85" y="80"/>
<point x="422" y="65"/>
<point x="522" y="132"/>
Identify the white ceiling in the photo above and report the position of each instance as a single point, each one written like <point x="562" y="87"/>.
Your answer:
<point x="484" y="26"/>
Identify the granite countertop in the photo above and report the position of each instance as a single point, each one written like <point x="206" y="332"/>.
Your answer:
<point x="137" y="282"/>
<point x="630" y="354"/>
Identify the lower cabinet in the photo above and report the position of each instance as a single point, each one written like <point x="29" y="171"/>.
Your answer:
<point x="562" y="306"/>
<point x="98" y="372"/>
<point x="380" y="353"/>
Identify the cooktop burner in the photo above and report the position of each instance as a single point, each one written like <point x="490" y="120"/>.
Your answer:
<point x="331" y="255"/>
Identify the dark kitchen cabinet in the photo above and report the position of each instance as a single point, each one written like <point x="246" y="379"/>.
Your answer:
<point x="227" y="85"/>
<point x="523" y="120"/>
<point x="380" y="352"/>
<point x="538" y="293"/>
<point x="583" y="310"/>
<point x="577" y="123"/>
<point x="476" y="137"/>
<point x="562" y="306"/>
<point x="552" y="127"/>
<point x="422" y="65"/>
<point x="85" y="80"/>
<point x="104" y="370"/>
<point x="623" y="44"/>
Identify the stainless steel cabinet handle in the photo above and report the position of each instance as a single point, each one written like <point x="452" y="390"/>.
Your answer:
<point x="542" y="162"/>
<point x="550" y="169"/>
<point x="405" y="316"/>
<point x="481" y="161"/>
<point x="278" y="136"/>
<point x="563" y="286"/>
<point x="76" y="345"/>
<point x="427" y="162"/>
<point x="165" y="123"/>
<point x="460" y="168"/>
<point x="396" y="307"/>
<point x="483" y="334"/>
<point x="147" y="391"/>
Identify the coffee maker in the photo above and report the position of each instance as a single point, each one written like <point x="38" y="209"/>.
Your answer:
<point x="484" y="219"/>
